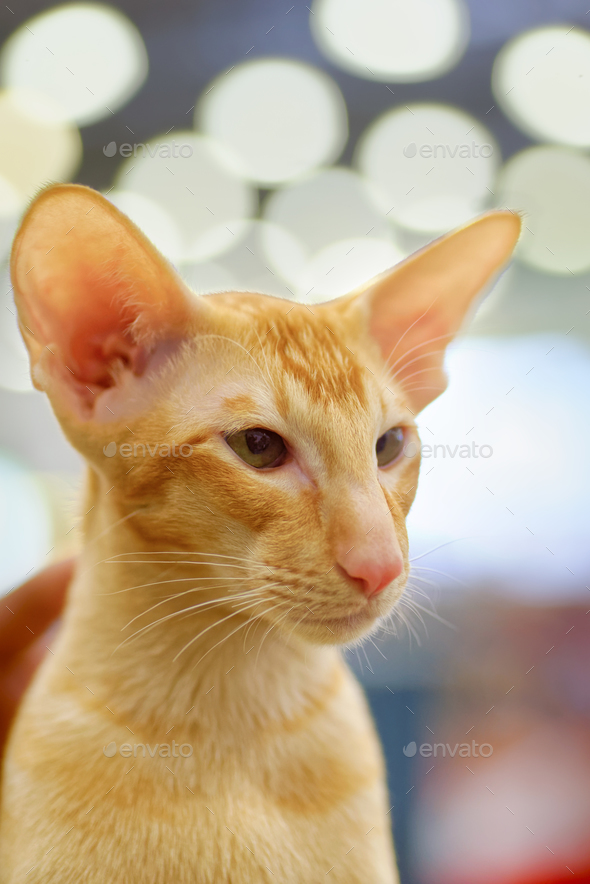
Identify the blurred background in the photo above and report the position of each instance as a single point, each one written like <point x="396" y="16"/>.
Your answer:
<point x="299" y="150"/>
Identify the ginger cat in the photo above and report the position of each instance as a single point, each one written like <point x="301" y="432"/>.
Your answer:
<point x="245" y="515"/>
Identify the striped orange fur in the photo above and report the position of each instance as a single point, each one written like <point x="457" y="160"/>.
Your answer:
<point x="212" y="597"/>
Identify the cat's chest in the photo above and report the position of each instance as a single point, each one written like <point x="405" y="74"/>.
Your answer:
<point x="289" y="801"/>
<point x="302" y="814"/>
<point x="313" y="757"/>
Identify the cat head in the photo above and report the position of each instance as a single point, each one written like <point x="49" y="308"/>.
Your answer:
<point x="243" y="425"/>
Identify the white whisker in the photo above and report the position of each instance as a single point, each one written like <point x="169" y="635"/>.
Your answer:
<point x="419" y="347"/>
<point x="395" y="377"/>
<point x="443" y="573"/>
<point x="241" y="346"/>
<point x="179" y="595"/>
<point x="233" y="632"/>
<point x="417" y="389"/>
<point x="434" y="615"/>
<point x="435" y="548"/>
<point x="378" y="649"/>
<point x="178" y="562"/>
<point x="213" y="625"/>
<point x="182" y="552"/>
<point x="210" y="604"/>
<point x="409" y="329"/>
<point x="173" y="580"/>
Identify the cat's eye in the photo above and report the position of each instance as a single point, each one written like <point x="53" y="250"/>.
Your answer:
<point x="389" y="446"/>
<point x="258" y="447"/>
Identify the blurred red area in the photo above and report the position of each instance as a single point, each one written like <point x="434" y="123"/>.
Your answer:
<point x="517" y="681"/>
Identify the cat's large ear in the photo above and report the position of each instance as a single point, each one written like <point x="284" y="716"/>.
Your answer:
<point x="414" y="310"/>
<point x="94" y="298"/>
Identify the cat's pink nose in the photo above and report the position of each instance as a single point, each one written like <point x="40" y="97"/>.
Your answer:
<point x="373" y="572"/>
<point x="365" y="541"/>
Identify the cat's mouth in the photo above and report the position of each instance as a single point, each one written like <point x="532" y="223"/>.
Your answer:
<point x="351" y="625"/>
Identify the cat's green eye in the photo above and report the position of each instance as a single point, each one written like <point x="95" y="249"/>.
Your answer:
<point x="258" y="447"/>
<point x="389" y="446"/>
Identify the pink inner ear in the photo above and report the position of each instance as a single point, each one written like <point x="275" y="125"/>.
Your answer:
<point x="95" y="331"/>
<point x="417" y="308"/>
<point x="91" y="327"/>
<point x="90" y="287"/>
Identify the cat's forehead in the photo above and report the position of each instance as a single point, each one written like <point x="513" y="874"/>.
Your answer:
<point x="307" y="347"/>
<point x="292" y="368"/>
<point x="314" y="357"/>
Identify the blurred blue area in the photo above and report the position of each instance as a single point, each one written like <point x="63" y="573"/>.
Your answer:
<point x="400" y="718"/>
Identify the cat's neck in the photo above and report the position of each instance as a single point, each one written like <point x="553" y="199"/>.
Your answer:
<point x="212" y="667"/>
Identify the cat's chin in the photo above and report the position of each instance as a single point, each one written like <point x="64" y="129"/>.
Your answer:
<point x="339" y="630"/>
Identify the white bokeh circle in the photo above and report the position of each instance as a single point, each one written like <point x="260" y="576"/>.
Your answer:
<point x="391" y="40"/>
<point x="541" y="80"/>
<point x="11" y="205"/>
<point x="35" y="150"/>
<point x="344" y="266"/>
<point x="327" y="234"/>
<point x="328" y="206"/>
<point x="433" y="166"/>
<point x="187" y="175"/>
<point x="88" y="58"/>
<point x="152" y="219"/>
<point x="551" y="186"/>
<point x="207" y="277"/>
<point x="278" y="119"/>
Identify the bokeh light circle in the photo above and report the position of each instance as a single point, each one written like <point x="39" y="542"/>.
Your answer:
<point x="11" y="206"/>
<point x="270" y="260"/>
<point x="87" y="57"/>
<point x="186" y="175"/>
<point x="433" y="166"/>
<point x="391" y="40"/>
<point x="207" y="277"/>
<point x="330" y="205"/>
<point x="541" y="80"/>
<point x="151" y="218"/>
<point x="551" y="185"/>
<point x="277" y="118"/>
<point x="34" y="150"/>
<point x="304" y="220"/>
<point x="344" y="266"/>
